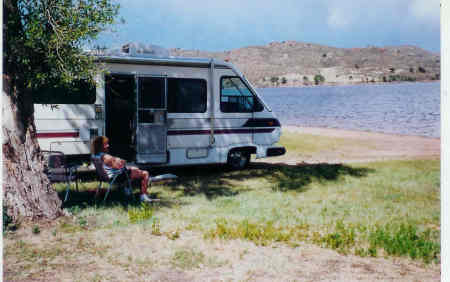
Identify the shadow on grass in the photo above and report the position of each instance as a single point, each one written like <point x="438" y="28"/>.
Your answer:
<point x="217" y="181"/>
<point x="211" y="181"/>
<point x="298" y="177"/>
<point x="86" y="196"/>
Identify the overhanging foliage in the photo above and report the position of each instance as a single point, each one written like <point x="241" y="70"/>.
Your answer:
<point x="44" y="39"/>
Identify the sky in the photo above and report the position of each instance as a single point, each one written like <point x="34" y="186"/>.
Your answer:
<point x="219" y="25"/>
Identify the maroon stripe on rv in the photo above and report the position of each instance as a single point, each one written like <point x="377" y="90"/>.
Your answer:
<point x="220" y="131"/>
<point x="57" y="135"/>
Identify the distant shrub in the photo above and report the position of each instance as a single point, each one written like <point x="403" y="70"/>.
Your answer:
<point x="411" y="70"/>
<point x="305" y="80"/>
<point x="283" y="80"/>
<point x="398" y="77"/>
<point x="318" y="78"/>
<point x="35" y="230"/>
<point x="422" y="70"/>
<point x="274" y="79"/>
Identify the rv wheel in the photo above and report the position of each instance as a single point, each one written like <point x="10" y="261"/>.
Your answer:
<point x="238" y="159"/>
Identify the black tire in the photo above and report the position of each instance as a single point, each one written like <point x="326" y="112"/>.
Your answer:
<point x="238" y="160"/>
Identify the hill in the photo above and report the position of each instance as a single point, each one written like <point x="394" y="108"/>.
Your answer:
<point x="291" y="63"/>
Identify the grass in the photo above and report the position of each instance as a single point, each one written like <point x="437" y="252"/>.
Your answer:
<point x="405" y="240"/>
<point x="187" y="259"/>
<point x="388" y="209"/>
<point x="306" y="203"/>
<point x="307" y="146"/>
<point x="144" y="212"/>
<point x="310" y="144"/>
<point x="333" y="205"/>
<point x="30" y="258"/>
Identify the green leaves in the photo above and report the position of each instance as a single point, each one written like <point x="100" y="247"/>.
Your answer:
<point x="44" y="38"/>
<point x="318" y="78"/>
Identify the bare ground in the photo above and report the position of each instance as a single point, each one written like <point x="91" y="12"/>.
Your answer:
<point x="135" y="254"/>
<point x="370" y="146"/>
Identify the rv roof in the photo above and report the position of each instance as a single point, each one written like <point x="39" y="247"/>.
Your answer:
<point x="173" y="61"/>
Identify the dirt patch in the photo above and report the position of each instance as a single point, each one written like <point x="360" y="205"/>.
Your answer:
<point x="134" y="254"/>
<point x="362" y="147"/>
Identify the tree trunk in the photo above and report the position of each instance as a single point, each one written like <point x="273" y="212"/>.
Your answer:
<point x="27" y="191"/>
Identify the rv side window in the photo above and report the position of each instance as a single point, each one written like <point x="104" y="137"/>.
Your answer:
<point x="151" y="93"/>
<point x="185" y="95"/>
<point x="235" y="97"/>
<point x="77" y="92"/>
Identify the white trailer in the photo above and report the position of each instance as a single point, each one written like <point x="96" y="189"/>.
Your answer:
<point x="162" y="111"/>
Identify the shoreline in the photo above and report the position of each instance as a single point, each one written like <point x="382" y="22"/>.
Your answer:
<point x="346" y="84"/>
<point x="329" y="145"/>
<point x="338" y="132"/>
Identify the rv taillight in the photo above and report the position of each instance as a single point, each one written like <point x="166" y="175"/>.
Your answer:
<point x="98" y="111"/>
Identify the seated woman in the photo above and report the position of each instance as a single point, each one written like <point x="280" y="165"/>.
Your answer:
<point x="100" y="149"/>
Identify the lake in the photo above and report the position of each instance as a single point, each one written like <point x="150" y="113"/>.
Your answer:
<point x="403" y="108"/>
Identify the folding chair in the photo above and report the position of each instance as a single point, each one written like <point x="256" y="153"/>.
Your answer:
<point x="58" y="170"/>
<point x="104" y="177"/>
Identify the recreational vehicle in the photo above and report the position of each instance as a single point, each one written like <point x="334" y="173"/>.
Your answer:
<point x="161" y="111"/>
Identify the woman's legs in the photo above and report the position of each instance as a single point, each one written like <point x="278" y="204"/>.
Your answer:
<point x="143" y="175"/>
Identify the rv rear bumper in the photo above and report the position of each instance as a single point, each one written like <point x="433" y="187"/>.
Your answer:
<point x="275" y="151"/>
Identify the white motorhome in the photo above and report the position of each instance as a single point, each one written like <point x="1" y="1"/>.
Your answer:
<point x="162" y="111"/>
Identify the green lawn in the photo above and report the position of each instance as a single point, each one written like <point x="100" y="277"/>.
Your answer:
<point x="389" y="208"/>
<point x="358" y="208"/>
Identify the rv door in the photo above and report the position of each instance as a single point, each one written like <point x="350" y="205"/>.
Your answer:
<point x="151" y="131"/>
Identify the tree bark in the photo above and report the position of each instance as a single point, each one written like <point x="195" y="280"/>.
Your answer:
<point x="27" y="191"/>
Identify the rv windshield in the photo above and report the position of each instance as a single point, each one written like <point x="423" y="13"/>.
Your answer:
<point x="236" y="97"/>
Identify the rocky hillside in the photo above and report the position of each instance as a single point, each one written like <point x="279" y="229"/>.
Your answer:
<point x="291" y="63"/>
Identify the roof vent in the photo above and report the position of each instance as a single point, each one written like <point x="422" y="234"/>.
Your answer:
<point x="135" y="49"/>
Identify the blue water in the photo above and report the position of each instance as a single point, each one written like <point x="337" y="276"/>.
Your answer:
<point x="404" y="108"/>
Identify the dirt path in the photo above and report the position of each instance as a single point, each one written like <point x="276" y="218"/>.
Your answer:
<point x="361" y="146"/>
